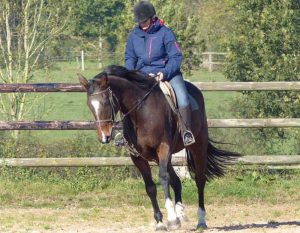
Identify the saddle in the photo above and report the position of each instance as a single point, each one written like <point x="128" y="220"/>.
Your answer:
<point x="183" y="119"/>
<point x="170" y="95"/>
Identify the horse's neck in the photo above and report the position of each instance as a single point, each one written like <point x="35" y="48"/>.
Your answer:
<point x="126" y="93"/>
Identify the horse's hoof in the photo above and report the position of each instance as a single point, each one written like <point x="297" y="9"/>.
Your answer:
<point x="161" y="227"/>
<point x="184" y="218"/>
<point x="201" y="226"/>
<point x="174" y="225"/>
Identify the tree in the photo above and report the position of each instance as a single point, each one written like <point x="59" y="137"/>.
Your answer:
<point x="27" y="27"/>
<point x="265" y="46"/>
<point x="95" y="23"/>
<point x="216" y="23"/>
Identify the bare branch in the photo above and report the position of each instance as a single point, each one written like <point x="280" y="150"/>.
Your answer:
<point x="37" y="58"/>
<point x="26" y="29"/>
<point x="3" y="108"/>
<point x="33" y="103"/>
<point x="36" y="21"/>
<point x="3" y="52"/>
<point x="8" y="43"/>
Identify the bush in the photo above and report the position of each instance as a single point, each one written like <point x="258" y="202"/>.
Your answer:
<point x="265" y="46"/>
<point x="81" y="146"/>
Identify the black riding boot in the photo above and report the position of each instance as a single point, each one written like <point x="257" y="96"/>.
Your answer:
<point x="186" y="132"/>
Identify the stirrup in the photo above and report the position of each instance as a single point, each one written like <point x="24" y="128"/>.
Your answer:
<point x="119" y="140"/>
<point x="188" y="138"/>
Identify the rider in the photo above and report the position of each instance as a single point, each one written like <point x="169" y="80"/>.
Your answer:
<point x="152" y="48"/>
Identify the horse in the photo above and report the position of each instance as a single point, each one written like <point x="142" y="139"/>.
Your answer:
<point x="151" y="129"/>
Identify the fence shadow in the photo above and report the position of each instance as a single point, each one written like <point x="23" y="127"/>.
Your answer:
<point x="272" y="224"/>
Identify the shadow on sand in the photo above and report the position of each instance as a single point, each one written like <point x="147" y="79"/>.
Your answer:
<point x="271" y="224"/>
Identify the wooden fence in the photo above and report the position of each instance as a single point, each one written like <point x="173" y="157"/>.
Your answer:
<point x="212" y="60"/>
<point x="116" y="161"/>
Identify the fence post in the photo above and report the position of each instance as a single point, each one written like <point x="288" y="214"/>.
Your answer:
<point x="77" y="63"/>
<point x="101" y="50"/>
<point x="82" y="60"/>
<point x="210" y="64"/>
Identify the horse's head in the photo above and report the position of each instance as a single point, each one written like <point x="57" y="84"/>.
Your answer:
<point x="100" y="102"/>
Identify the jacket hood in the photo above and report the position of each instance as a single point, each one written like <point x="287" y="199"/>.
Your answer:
<point x="156" y="26"/>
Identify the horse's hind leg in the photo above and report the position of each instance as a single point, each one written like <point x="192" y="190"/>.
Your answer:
<point x="199" y="155"/>
<point x="176" y="186"/>
<point x="151" y="190"/>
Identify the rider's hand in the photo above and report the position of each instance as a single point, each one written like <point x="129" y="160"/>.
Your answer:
<point x="159" y="76"/>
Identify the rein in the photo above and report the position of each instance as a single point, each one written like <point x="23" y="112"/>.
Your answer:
<point x="138" y="103"/>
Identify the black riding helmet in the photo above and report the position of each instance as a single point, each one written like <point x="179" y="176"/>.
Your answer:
<point x="143" y="11"/>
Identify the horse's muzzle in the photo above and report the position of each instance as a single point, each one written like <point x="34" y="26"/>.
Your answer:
<point x="104" y="139"/>
<point x="104" y="135"/>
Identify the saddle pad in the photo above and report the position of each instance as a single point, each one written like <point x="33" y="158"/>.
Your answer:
<point x="169" y="93"/>
<point x="171" y="96"/>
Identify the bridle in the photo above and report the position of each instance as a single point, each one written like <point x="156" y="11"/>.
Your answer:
<point x="111" y="97"/>
<point x="116" y="124"/>
<point x="111" y="101"/>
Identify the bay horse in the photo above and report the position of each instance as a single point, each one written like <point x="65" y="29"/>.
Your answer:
<point x="150" y="126"/>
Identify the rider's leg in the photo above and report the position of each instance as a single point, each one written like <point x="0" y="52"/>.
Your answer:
<point x="185" y="112"/>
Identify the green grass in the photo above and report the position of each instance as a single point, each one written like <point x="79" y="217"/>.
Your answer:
<point x="86" y="189"/>
<point x="217" y="103"/>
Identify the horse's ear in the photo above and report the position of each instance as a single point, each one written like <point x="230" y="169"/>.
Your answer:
<point x="84" y="82"/>
<point x="103" y="80"/>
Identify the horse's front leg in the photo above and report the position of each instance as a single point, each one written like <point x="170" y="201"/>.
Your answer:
<point x="151" y="190"/>
<point x="164" y="164"/>
<point x="177" y="187"/>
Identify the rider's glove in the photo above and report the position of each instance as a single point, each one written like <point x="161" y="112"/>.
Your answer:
<point x="159" y="77"/>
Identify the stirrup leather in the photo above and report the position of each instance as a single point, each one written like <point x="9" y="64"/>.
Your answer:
<point x="188" y="138"/>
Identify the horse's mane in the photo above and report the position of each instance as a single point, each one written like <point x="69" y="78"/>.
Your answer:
<point x="137" y="78"/>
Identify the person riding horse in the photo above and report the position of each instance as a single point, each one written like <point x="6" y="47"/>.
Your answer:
<point x="152" y="49"/>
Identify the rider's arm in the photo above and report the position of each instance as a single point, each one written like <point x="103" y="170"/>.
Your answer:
<point x="174" y="55"/>
<point x="130" y="57"/>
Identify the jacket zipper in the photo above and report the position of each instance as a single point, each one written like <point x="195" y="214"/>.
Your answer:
<point x="150" y="48"/>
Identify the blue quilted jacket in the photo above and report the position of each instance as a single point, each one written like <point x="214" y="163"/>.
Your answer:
<point x="153" y="51"/>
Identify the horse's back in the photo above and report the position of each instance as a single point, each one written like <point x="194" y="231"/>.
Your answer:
<point x="196" y="93"/>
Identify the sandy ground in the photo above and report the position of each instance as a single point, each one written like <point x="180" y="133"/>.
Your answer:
<point x="238" y="218"/>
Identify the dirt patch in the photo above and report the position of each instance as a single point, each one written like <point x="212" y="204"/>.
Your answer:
<point x="239" y="218"/>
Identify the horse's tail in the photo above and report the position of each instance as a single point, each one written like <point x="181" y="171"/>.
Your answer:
<point x="190" y="163"/>
<point x="217" y="160"/>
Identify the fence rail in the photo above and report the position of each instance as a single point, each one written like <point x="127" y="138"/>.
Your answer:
<point x="204" y="86"/>
<point x="278" y="160"/>
<point x="91" y="125"/>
